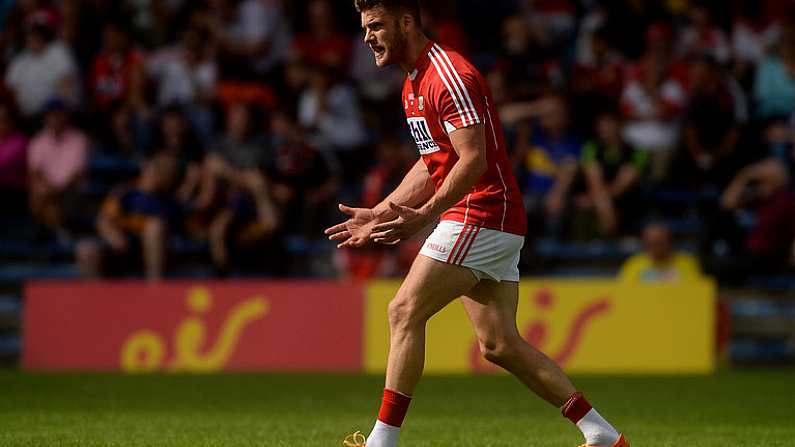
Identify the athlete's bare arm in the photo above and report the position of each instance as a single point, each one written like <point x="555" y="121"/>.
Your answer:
<point x="470" y="145"/>
<point x="414" y="190"/>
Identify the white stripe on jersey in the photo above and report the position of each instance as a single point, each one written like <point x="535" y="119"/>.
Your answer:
<point x="460" y="82"/>
<point x="450" y="89"/>
<point x="466" y="215"/>
<point x="499" y="171"/>
<point x="456" y="82"/>
<point x="450" y="79"/>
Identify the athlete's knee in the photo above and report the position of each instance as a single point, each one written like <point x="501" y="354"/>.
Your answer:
<point x="404" y="313"/>
<point x="499" y="348"/>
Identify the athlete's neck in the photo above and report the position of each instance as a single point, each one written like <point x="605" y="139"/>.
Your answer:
<point x="415" y="44"/>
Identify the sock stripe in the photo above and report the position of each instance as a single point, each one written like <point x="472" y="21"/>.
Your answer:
<point x="394" y="407"/>
<point x="576" y="407"/>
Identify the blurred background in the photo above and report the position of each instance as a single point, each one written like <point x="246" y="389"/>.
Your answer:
<point x="202" y="140"/>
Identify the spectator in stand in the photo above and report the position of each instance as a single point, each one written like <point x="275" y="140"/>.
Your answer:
<point x="133" y="225"/>
<point x="774" y="88"/>
<point x="593" y="22"/>
<point x="653" y="100"/>
<point x="612" y="170"/>
<point x="117" y="71"/>
<point x="303" y="180"/>
<point x="126" y="134"/>
<point x="13" y="161"/>
<point x="253" y="36"/>
<point x="549" y="165"/>
<point x="154" y="21"/>
<point x="378" y="88"/>
<point x="524" y="66"/>
<point x="703" y="38"/>
<point x="44" y="70"/>
<point x="186" y="73"/>
<point x="57" y="163"/>
<point x="659" y="263"/>
<point x="553" y="22"/>
<point x="753" y="36"/>
<point x="603" y="72"/>
<point x="323" y="44"/>
<point x="241" y="231"/>
<point x="779" y="138"/>
<point x="237" y="154"/>
<point x="21" y="15"/>
<point x="329" y="112"/>
<point x="733" y="252"/>
<point x="599" y="79"/>
<point x="175" y="138"/>
<point x="241" y="235"/>
<point x="714" y="115"/>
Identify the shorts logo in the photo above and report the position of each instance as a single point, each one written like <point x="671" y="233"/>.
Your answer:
<point x="422" y="136"/>
<point x="436" y="247"/>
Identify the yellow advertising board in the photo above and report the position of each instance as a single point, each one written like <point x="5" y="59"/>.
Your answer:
<point x="586" y="326"/>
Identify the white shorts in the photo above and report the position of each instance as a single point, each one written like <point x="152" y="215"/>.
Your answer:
<point x="490" y="254"/>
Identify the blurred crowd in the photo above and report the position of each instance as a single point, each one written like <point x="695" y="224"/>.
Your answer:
<point x="239" y="125"/>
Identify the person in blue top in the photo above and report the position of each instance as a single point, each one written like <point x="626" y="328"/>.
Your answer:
<point x="774" y="86"/>
<point x="549" y="165"/>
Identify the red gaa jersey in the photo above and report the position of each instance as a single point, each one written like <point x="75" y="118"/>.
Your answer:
<point x="443" y="94"/>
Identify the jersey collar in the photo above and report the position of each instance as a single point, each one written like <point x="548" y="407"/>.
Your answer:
<point x="423" y="61"/>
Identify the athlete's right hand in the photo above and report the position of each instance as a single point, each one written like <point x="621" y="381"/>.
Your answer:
<point x="355" y="232"/>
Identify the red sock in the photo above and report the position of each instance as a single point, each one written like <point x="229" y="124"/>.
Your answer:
<point x="576" y="407"/>
<point x="393" y="408"/>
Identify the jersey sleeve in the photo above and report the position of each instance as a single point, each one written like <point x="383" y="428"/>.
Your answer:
<point x="459" y="98"/>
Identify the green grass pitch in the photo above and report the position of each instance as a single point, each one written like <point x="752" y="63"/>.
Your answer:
<point x="742" y="408"/>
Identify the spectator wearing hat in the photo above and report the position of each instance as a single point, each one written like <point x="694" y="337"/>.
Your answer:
<point x="57" y="162"/>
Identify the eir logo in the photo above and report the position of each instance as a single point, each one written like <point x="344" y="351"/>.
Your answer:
<point x="422" y="136"/>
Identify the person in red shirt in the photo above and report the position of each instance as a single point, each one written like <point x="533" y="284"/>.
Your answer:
<point x="324" y="44"/>
<point x="464" y="179"/>
<point x="116" y="71"/>
<point x="768" y="245"/>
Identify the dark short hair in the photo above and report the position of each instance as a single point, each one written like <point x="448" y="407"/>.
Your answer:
<point x="393" y="6"/>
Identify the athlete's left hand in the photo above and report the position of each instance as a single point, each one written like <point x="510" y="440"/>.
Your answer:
<point x="409" y="222"/>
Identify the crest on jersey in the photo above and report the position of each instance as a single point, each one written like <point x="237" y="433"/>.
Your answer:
<point x="421" y="100"/>
<point x="422" y="136"/>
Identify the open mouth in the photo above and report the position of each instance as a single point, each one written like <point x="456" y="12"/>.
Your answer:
<point x="378" y="50"/>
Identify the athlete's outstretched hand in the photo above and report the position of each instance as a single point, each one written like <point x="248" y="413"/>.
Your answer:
<point x="408" y="222"/>
<point x="354" y="232"/>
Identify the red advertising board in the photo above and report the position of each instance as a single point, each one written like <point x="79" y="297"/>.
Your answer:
<point x="203" y="327"/>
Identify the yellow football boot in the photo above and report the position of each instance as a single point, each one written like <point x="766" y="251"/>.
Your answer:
<point x="357" y="440"/>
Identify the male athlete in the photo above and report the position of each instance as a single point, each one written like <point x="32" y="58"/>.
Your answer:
<point x="464" y="179"/>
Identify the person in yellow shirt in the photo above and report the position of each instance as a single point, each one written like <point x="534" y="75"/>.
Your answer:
<point x="659" y="262"/>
